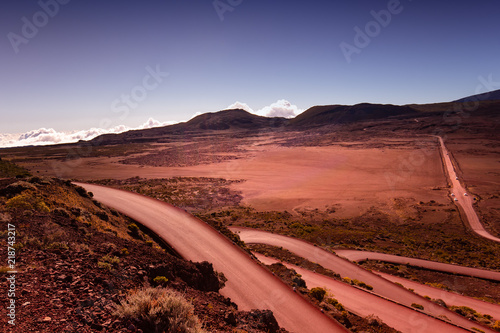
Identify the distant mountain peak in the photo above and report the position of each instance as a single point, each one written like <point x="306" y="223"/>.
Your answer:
<point x="234" y="118"/>
<point x="341" y="114"/>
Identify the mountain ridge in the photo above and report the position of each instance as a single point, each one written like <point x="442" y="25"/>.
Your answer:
<point x="225" y="121"/>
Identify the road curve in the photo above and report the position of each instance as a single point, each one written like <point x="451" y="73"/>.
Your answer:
<point x="364" y="304"/>
<point x="464" y="201"/>
<point x="345" y="268"/>
<point x="354" y="255"/>
<point x="450" y="298"/>
<point x="249" y="284"/>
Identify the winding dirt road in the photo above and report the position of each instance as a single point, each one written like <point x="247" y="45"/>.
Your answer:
<point x="249" y="284"/>
<point x="354" y="255"/>
<point x="345" y="268"/>
<point x="364" y="304"/>
<point x="449" y="298"/>
<point x="463" y="200"/>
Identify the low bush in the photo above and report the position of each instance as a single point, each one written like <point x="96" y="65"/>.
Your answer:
<point x="318" y="293"/>
<point x="160" y="280"/>
<point x="134" y="230"/>
<point x="108" y="262"/>
<point x="27" y="202"/>
<point x="159" y="310"/>
<point x="417" y="306"/>
<point x="335" y="303"/>
<point x="362" y="284"/>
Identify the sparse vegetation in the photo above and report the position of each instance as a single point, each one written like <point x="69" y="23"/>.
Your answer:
<point x="134" y="230"/>
<point x="438" y="285"/>
<point x="335" y="303"/>
<point x="9" y="169"/>
<point x="159" y="310"/>
<point x="318" y="293"/>
<point x="160" y="280"/>
<point x="195" y="194"/>
<point x="417" y="306"/>
<point x="362" y="284"/>
<point x="447" y="241"/>
<point x="84" y="244"/>
<point x="27" y="202"/>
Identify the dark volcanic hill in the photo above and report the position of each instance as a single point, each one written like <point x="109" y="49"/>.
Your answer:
<point x="482" y="116"/>
<point x="233" y="119"/>
<point x="342" y="114"/>
<point x="236" y="119"/>
<point x="489" y="96"/>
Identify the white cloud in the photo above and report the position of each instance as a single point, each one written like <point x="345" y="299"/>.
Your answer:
<point x="49" y="136"/>
<point x="281" y="108"/>
<point x="44" y="136"/>
<point x="239" y="105"/>
<point x="155" y="123"/>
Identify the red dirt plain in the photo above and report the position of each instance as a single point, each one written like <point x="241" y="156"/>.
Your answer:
<point x="391" y="175"/>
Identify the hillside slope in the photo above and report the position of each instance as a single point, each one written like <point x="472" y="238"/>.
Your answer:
<point x="76" y="260"/>
<point x="342" y="114"/>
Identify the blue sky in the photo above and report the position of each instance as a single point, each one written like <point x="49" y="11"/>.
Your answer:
<point x="73" y="72"/>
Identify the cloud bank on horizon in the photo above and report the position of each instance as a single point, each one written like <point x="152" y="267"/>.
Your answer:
<point x="49" y="136"/>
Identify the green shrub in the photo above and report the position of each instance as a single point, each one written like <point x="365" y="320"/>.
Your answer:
<point x="160" y="280"/>
<point x="335" y="303"/>
<point x="318" y="293"/>
<point x="464" y="311"/>
<point x="107" y="262"/>
<point x="347" y="280"/>
<point x="134" y="230"/>
<point x="124" y="252"/>
<point x="58" y="246"/>
<point x="19" y="202"/>
<point x="82" y="192"/>
<point x="26" y="202"/>
<point x="111" y="259"/>
<point x="417" y="306"/>
<point x="438" y="285"/>
<point x="105" y="265"/>
<point x="496" y="326"/>
<point x="159" y="310"/>
<point x="362" y="284"/>
<point x="42" y="207"/>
